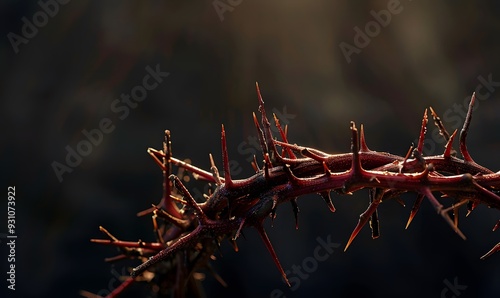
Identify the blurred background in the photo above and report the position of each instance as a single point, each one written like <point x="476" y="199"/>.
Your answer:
<point x="320" y="64"/>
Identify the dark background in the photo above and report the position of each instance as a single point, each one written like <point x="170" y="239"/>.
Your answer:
<point x="64" y="79"/>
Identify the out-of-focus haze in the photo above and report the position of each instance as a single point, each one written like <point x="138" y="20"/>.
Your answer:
<point x="314" y="68"/>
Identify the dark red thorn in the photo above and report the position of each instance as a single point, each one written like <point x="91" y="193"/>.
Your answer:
<point x="268" y="135"/>
<point x="465" y="129"/>
<point x="374" y="222"/>
<point x="296" y="210"/>
<point x="294" y="180"/>
<point x="269" y="246"/>
<point x="492" y="251"/>
<point x="225" y="160"/>
<point x="449" y="145"/>
<point x="283" y="137"/>
<point x="437" y="121"/>
<point x="189" y="199"/>
<point x="214" y="170"/>
<point x="408" y="154"/>
<point x="439" y="208"/>
<point x="423" y="130"/>
<point x="363" y="219"/>
<point x="328" y="200"/>
<point x="260" y="134"/>
<point x="362" y="141"/>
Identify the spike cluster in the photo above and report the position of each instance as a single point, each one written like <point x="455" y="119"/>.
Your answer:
<point x="189" y="232"/>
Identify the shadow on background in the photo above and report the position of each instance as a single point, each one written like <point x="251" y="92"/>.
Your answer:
<point x="319" y="65"/>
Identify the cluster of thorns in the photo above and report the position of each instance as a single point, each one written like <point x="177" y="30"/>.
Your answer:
<point x="189" y="232"/>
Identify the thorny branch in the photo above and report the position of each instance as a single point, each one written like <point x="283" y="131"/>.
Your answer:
<point x="189" y="232"/>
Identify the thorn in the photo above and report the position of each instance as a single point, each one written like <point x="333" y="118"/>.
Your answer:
<point x="283" y="137"/>
<point x="406" y="158"/>
<point x="439" y="208"/>
<point x="364" y="217"/>
<point x="423" y="130"/>
<point x="296" y="210"/>
<point x="440" y="125"/>
<point x="415" y="208"/>
<point x="364" y="147"/>
<point x="189" y="199"/>
<point x="269" y="246"/>
<point x="465" y="128"/>
<point x="328" y="200"/>
<point x="449" y="146"/>
<point x="238" y="232"/>
<point x="215" y="171"/>
<point x="492" y="251"/>
<point x="225" y="160"/>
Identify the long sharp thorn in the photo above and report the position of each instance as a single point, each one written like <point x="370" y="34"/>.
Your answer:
<point x="363" y="219"/>
<point x="423" y="129"/>
<point x="268" y="135"/>
<point x="362" y="141"/>
<point x="465" y="128"/>
<point x="449" y="145"/>
<point x="415" y="208"/>
<point x="269" y="246"/>
<point x="439" y="208"/>
<point x="492" y="251"/>
<point x="440" y="125"/>
<point x="225" y="160"/>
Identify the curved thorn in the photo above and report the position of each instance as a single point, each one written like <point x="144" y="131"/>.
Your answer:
<point x="362" y="141"/>
<point x="328" y="200"/>
<point x="214" y="170"/>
